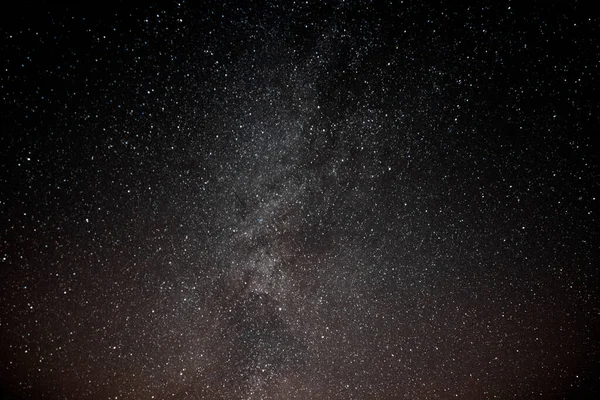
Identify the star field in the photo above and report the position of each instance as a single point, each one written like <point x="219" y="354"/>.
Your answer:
<point x="299" y="200"/>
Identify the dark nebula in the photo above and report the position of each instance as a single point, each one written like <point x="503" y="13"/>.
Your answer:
<point x="299" y="200"/>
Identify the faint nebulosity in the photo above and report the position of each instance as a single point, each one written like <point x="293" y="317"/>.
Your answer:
<point x="299" y="200"/>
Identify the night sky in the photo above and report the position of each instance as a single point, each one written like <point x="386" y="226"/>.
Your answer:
<point x="299" y="200"/>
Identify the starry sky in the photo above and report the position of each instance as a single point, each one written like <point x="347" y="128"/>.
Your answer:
<point x="299" y="200"/>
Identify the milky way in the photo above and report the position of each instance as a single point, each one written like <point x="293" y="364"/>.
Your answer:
<point x="299" y="200"/>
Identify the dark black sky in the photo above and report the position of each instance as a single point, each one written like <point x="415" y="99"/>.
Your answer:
<point x="300" y="200"/>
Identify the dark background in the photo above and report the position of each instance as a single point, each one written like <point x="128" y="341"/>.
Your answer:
<point x="299" y="200"/>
